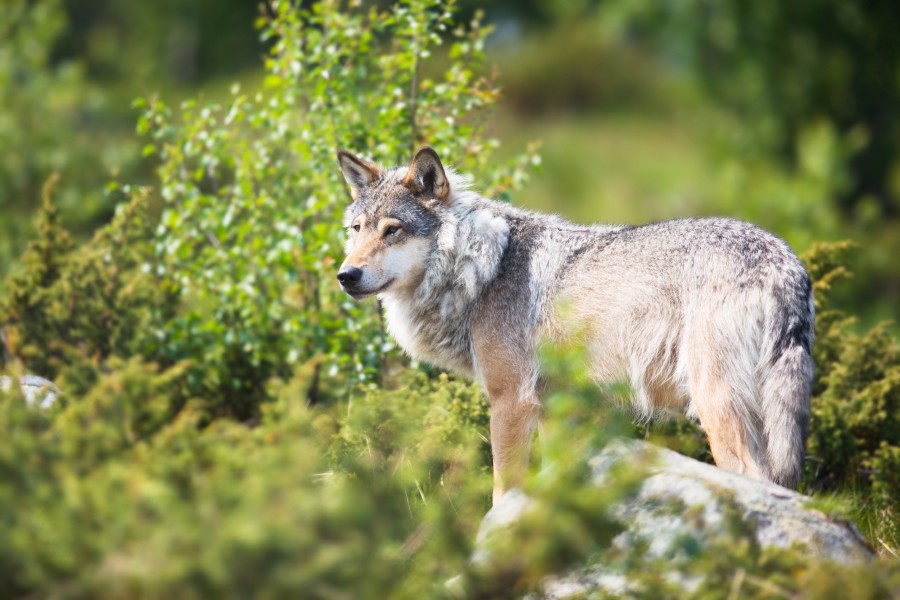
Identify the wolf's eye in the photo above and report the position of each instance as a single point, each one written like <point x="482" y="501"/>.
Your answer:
<point x="356" y="227"/>
<point x="391" y="230"/>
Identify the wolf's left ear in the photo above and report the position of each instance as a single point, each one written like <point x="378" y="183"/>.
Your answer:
<point x="426" y="175"/>
<point x="357" y="172"/>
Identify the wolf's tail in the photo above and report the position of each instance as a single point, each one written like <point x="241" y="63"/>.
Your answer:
<point x="787" y="385"/>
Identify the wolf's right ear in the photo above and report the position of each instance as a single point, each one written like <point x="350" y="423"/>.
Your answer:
<point x="357" y="172"/>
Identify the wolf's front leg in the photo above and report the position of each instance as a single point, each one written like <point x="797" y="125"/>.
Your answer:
<point x="505" y="367"/>
<point x="512" y="424"/>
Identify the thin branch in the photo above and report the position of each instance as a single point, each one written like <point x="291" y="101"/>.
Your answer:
<point x="413" y="107"/>
<point x="888" y="548"/>
<point x="768" y="586"/>
<point x="4" y="336"/>
<point x="414" y="96"/>
<point x="736" y="583"/>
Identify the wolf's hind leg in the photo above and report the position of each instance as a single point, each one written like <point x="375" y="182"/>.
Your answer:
<point x="727" y="427"/>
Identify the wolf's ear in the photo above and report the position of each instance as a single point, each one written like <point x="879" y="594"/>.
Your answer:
<point x="426" y="175"/>
<point x="357" y="172"/>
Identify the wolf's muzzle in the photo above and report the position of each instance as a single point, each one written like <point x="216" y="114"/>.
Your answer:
<point x="350" y="279"/>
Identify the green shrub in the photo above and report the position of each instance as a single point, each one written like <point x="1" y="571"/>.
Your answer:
<point x="854" y="440"/>
<point x="250" y="239"/>
<point x="64" y="313"/>
<point x="109" y="496"/>
<point x="27" y="300"/>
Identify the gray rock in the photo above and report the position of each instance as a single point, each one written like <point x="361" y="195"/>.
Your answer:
<point x="685" y="499"/>
<point x="36" y="390"/>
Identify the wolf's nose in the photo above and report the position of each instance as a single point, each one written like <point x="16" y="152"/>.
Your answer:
<point x="350" y="276"/>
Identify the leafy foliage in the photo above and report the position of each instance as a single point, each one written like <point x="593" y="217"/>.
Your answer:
<point x="250" y="237"/>
<point x="855" y="426"/>
<point x="66" y="313"/>
<point x="27" y="299"/>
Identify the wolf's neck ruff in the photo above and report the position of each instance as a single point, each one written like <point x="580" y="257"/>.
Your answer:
<point x="431" y="322"/>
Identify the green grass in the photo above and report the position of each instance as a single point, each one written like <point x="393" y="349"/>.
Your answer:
<point x="881" y="530"/>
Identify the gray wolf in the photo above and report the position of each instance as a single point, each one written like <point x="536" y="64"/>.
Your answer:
<point x="711" y="316"/>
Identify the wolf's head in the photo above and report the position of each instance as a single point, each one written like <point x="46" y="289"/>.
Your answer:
<point x="391" y="222"/>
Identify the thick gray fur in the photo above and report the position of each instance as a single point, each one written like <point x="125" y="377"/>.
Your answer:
<point x="710" y="307"/>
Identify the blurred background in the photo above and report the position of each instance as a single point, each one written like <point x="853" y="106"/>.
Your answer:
<point x="785" y="114"/>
